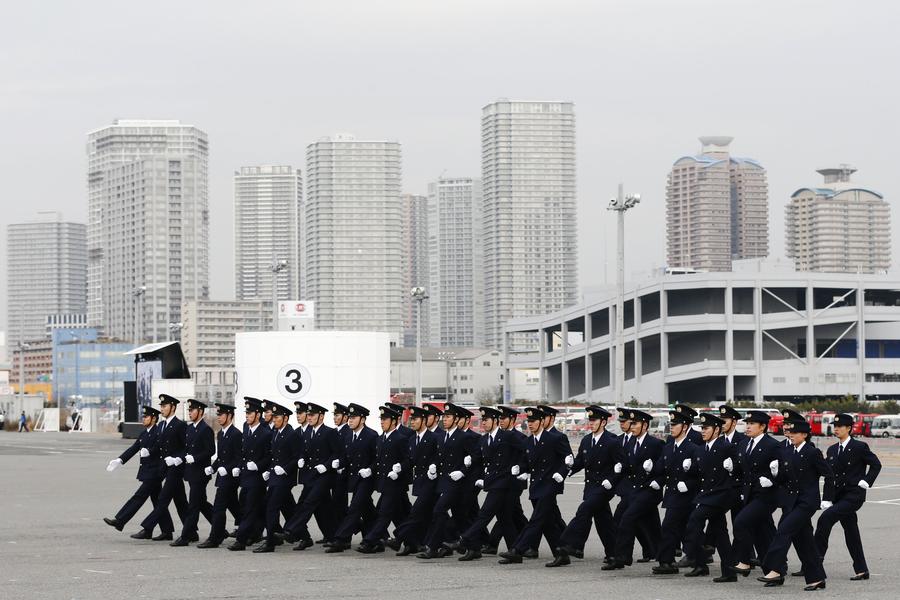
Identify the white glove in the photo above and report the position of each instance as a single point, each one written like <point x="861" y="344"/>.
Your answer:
<point x="522" y="477"/>
<point x="617" y="468"/>
<point x="335" y="463"/>
<point x="189" y="459"/>
<point x="432" y="469"/>
<point x="279" y="470"/>
<point x="321" y="468"/>
<point x="456" y="475"/>
<point x="765" y="482"/>
<point x="570" y="460"/>
<point x="479" y="483"/>
<point x="728" y="464"/>
<point x="392" y="475"/>
<point x="654" y="485"/>
<point x="686" y="464"/>
<point x="825" y="505"/>
<point x="177" y="460"/>
<point x="396" y="468"/>
<point x="208" y="471"/>
<point x="265" y="475"/>
<point x="365" y="473"/>
<point x="515" y="470"/>
<point x="169" y="461"/>
<point x="213" y="458"/>
<point x="144" y="453"/>
<point x="224" y="472"/>
<point x="340" y="471"/>
<point x="863" y="484"/>
<point x="431" y="476"/>
<point x="301" y="462"/>
<point x="467" y="461"/>
<point x="682" y="487"/>
<point x="251" y="466"/>
<point x="557" y="478"/>
<point x="648" y="465"/>
<point x="114" y="464"/>
<point x="606" y="484"/>
<point x="773" y="468"/>
<point x="235" y="472"/>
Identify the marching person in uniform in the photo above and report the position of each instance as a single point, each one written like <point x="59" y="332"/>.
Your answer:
<point x="799" y="471"/>
<point x="403" y="430"/>
<point x="681" y="489"/>
<point x="693" y="436"/>
<point x="268" y="413"/>
<point x="754" y="526"/>
<point x="642" y="469"/>
<point x="546" y="465"/>
<point x="508" y="417"/>
<point x="341" y="416"/>
<point x="855" y="468"/>
<point x="469" y="501"/>
<point x="718" y="468"/>
<point x="281" y="476"/>
<point x="171" y="448"/>
<point x="322" y="455"/>
<point x="433" y="418"/>
<point x="227" y="467"/>
<point x="150" y="474"/>
<point x="598" y="452"/>
<point x="623" y="491"/>
<point x="360" y="460"/>
<point x="200" y="446"/>
<point x="424" y="457"/>
<point x="256" y="455"/>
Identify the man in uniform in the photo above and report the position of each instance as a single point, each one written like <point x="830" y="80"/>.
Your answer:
<point x="433" y="418"/>
<point x="693" y="436"/>
<point x="227" y="467"/>
<point x="597" y="453"/>
<point x="546" y="464"/>
<point x="359" y="465"/>
<point x="508" y="419"/>
<point x="423" y="454"/>
<point x="717" y="466"/>
<point x="171" y="448"/>
<point x="281" y="476"/>
<point x="339" y="492"/>
<point x="404" y="431"/>
<point x="681" y="488"/>
<point x="268" y="413"/>
<point x="256" y="455"/>
<point x="855" y="468"/>
<point x="150" y="474"/>
<point x="623" y="491"/>
<point x="200" y="446"/>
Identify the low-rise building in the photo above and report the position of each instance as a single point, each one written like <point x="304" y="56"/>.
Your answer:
<point x="460" y="375"/>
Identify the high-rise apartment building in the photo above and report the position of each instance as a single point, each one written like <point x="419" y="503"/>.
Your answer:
<point x="148" y="226"/>
<point x="415" y="264"/>
<point x="716" y="208"/>
<point x="838" y="227"/>
<point x="46" y="275"/>
<point x="456" y="262"/>
<point x="530" y="232"/>
<point x="352" y="251"/>
<point x="207" y="337"/>
<point x="267" y="210"/>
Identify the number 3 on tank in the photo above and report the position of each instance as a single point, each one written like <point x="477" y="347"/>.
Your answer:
<point x="293" y="381"/>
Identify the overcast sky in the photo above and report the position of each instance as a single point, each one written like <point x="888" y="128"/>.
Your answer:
<point x="799" y="84"/>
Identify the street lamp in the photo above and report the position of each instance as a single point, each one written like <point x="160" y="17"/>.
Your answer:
<point x="22" y="347"/>
<point x="447" y="356"/>
<point x="418" y="294"/>
<point x="276" y="267"/>
<point x="620" y="204"/>
<point x="176" y="328"/>
<point x="138" y="294"/>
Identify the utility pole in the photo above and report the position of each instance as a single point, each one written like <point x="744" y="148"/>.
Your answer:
<point x="620" y="204"/>
<point x="277" y="267"/>
<point x="419" y="295"/>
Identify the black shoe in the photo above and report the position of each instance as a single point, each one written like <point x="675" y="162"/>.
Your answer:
<point x="678" y="553"/>
<point x="367" y="548"/>
<point x="530" y="553"/>
<point x="264" y="548"/>
<point x="322" y="541"/>
<point x="579" y="554"/>
<point x="665" y="569"/>
<point x="443" y="552"/>
<point x="143" y="534"/>
<point x="643" y="560"/>
<point x="231" y="534"/>
<point x="194" y="538"/>
<point x="163" y="537"/>
<point x="742" y="571"/>
<point x="427" y="554"/>
<point x="407" y="549"/>
<point x="697" y="572"/>
<point x="860" y="577"/>
<point x="114" y="523"/>
<point x="776" y="581"/>
<point x="561" y="560"/>
<point x="754" y="562"/>
<point x="510" y="557"/>
<point x="725" y="578"/>
<point x="210" y="543"/>
<point x="470" y="555"/>
<point x="685" y="563"/>
<point x="393" y="543"/>
<point x="454" y="546"/>
<point x="815" y="586"/>
<point x="613" y="565"/>
<point x="179" y="542"/>
<point x="489" y="550"/>
<point x="284" y="536"/>
<point x="237" y="546"/>
<point x="303" y="544"/>
<point x="279" y="541"/>
<point x="798" y="573"/>
<point x="335" y="547"/>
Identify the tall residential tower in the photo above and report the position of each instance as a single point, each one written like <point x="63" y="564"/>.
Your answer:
<point x="415" y="265"/>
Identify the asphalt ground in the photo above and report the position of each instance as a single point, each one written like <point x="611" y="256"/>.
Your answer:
<point x="53" y="544"/>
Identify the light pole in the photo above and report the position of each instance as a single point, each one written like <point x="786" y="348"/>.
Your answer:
<point x="22" y="347"/>
<point x="276" y="267"/>
<point x="447" y="357"/>
<point x="176" y="328"/>
<point x="138" y="294"/>
<point x="77" y="341"/>
<point x="620" y="204"/>
<point x="418" y="294"/>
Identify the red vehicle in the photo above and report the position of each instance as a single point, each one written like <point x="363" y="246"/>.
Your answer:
<point x="815" y="423"/>
<point x="862" y="424"/>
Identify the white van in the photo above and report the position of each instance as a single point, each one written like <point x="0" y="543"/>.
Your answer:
<point x="886" y="426"/>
